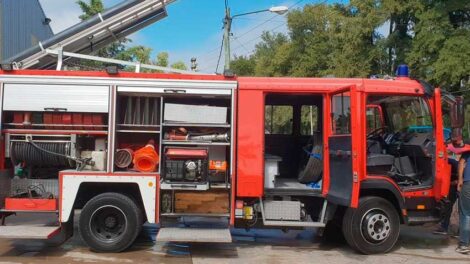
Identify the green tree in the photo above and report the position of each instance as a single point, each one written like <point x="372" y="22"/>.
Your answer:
<point x="136" y="53"/>
<point x="342" y="40"/>
<point x="118" y="48"/>
<point x="162" y="59"/>
<point x="180" y="65"/>
<point x="90" y="8"/>
<point x="243" y="65"/>
<point x="113" y="50"/>
<point x="440" y="48"/>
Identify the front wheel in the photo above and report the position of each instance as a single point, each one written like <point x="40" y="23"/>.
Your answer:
<point x="373" y="227"/>
<point x="110" y="222"/>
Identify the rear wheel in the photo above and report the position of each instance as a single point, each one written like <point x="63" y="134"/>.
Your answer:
<point x="110" y="222"/>
<point x="373" y="227"/>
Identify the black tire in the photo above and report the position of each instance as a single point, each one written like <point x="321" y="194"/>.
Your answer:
<point x="110" y="222"/>
<point x="312" y="171"/>
<point x="373" y="227"/>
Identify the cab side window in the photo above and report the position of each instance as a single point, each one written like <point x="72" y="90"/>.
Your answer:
<point x="278" y="119"/>
<point x="374" y="118"/>
<point x="341" y="114"/>
<point x="308" y="120"/>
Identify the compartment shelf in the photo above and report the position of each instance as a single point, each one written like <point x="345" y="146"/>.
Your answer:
<point x="200" y="143"/>
<point x="220" y="186"/>
<point x="55" y="125"/>
<point x="131" y="128"/>
<point x="169" y="124"/>
<point x="54" y="131"/>
<point x="137" y="131"/>
<point x="194" y="214"/>
<point x="138" y="126"/>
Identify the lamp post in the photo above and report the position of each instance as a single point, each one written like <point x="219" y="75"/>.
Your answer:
<point x="280" y="10"/>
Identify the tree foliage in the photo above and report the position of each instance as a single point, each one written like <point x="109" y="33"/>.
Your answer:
<point x="179" y="65"/>
<point x="90" y="9"/>
<point x="367" y="37"/>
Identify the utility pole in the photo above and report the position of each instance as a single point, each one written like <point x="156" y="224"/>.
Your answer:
<point x="227" y="29"/>
<point x="280" y="10"/>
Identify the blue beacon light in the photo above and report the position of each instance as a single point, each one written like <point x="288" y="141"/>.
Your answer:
<point x="403" y="71"/>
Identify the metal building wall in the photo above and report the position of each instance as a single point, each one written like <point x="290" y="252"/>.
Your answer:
<point x="1" y="31"/>
<point x="21" y="26"/>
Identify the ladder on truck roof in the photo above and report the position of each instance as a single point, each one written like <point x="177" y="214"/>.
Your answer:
<point x="94" y="33"/>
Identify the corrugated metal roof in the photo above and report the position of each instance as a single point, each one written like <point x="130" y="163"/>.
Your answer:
<point x="21" y="26"/>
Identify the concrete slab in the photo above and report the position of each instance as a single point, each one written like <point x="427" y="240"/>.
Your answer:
<point x="416" y="245"/>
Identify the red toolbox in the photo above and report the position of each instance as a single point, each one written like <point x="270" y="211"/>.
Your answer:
<point x="30" y="204"/>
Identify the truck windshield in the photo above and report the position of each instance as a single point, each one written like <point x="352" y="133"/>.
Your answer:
<point x="405" y="113"/>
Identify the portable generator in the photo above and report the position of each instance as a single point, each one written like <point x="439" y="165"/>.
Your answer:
<point x="185" y="164"/>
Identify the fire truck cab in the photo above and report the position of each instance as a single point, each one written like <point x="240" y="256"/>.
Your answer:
<point x="200" y="154"/>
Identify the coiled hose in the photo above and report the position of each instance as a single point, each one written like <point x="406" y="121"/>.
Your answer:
<point x="42" y="154"/>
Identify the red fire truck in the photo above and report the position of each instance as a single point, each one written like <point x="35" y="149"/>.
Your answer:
<point x="200" y="154"/>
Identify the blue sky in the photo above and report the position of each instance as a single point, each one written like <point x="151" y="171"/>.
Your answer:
<point x="193" y="28"/>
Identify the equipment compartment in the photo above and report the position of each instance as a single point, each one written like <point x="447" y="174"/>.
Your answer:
<point x="66" y="98"/>
<point x="137" y="146"/>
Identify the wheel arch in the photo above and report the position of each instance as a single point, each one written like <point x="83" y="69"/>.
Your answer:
<point x="88" y="190"/>
<point x="387" y="190"/>
<point x="76" y="190"/>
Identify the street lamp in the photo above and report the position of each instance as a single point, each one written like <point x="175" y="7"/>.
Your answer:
<point x="280" y="10"/>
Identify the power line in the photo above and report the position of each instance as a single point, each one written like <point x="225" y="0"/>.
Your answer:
<point x="238" y="47"/>
<point x="276" y="27"/>
<point x="250" y="30"/>
<point x="268" y="20"/>
<point x="461" y="91"/>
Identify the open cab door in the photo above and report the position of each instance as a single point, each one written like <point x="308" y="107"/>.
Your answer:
<point x="442" y="169"/>
<point x="446" y="104"/>
<point x="343" y="140"/>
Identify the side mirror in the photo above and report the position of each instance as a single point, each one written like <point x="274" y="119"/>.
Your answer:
<point x="457" y="119"/>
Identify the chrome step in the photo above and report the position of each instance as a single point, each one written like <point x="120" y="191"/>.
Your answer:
<point x="29" y="231"/>
<point x="186" y="234"/>
<point x="293" y="223"/>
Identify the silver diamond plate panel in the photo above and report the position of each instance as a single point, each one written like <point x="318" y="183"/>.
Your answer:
<point x="282" y="210"/>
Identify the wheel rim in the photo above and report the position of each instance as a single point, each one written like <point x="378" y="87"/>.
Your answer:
<point x="108" y="224"/>
<point x="375" y="226"/>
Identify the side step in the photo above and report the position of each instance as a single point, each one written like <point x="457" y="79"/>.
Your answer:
<point x="420" y="220"/>
<point x="29" y="231"/>
<point x="186" y="234"/>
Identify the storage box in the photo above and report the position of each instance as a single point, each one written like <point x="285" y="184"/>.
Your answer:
<point x="185" y="113"/>
<point x="213" y="202"/>
<point x="30" y="204"/>
<point x="271" y="170"/>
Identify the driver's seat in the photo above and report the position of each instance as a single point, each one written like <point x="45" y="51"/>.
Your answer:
<point x="377" y="161"/>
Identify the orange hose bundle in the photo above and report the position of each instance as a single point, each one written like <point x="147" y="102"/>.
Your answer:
<point x="146" y="158"/>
